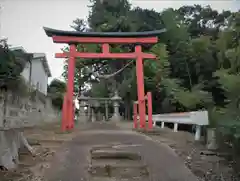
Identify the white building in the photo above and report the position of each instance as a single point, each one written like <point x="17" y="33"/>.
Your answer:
<point x="36" y="71"/>
<point x="40" y="72"/>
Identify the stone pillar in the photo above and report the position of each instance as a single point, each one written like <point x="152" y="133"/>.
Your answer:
<point x="106" y="110"/>
<point x="175" y="129"/>
<point x="116" y="99"/>
<point x="88" y="110"/>
<point x="82" y="115"/>
<point x="198" y="133"/>
<point x="96" y="114"/>
<point x="93" y="117"/>
<point x="162" y="124"/>
<point x="211" y="139"/>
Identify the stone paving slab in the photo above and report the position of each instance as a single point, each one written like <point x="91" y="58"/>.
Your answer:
<point x="72" y="161"/>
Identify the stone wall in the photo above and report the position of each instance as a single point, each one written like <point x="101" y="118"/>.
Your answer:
<point x="21" y="112"/>
<point x="16" y="114"/>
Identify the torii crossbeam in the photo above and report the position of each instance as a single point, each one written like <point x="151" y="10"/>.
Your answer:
<point x="104" y="38"/>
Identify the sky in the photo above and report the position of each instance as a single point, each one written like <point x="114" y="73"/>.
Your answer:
<point x="22" y="21"/>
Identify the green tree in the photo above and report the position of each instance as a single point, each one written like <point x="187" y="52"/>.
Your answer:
<point x="228" y="46"/>
<point x="11" y="66"/>
<point x="181" y="79"/>
<point x="56" y="91"/>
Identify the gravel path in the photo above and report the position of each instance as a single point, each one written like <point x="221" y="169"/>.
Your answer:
<point x="72" y="161"/>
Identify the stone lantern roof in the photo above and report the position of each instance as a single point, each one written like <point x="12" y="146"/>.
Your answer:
<point x="116" y="97"/>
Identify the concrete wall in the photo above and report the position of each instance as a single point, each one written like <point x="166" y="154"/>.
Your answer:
<point x="21" y="112"/>
<point x="16" y="114"/>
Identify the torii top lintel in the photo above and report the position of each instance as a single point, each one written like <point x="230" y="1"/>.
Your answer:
<point x="60" y="36"/>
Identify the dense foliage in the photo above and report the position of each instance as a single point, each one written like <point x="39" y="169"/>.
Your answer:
<point x="11" y="66"/>
<point x="197" y="67"/>
<point x="198" y="64"/>
<point x="198" y="57"/>
<point x="56" y="91"/>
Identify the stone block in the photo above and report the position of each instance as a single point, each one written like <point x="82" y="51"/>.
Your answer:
<point x="114" y="154"/>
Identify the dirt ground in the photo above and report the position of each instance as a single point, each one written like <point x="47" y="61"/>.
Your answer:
<point x="207" y="166"/>
<point x="45" y="142"/>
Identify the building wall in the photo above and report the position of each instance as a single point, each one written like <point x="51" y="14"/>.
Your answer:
<point x="39" y="77"/>
<point x="26" y="72"/>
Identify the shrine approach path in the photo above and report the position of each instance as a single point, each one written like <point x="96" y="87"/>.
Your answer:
<point x="72" y="162"/>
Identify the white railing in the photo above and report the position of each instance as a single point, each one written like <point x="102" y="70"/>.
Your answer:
<point x="197" y="118"/>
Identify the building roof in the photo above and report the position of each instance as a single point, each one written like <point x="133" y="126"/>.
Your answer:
<point x="18" y="48"/>
<point x="53" y="32"/>
<point x="35" y="56"/>
<point x="21" y="53"/>
<point x="42" y="57"/>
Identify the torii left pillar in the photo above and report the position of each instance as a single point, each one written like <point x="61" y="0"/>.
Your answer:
<point x="68" y="105"/>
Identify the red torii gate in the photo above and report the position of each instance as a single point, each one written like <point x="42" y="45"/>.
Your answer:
<point x="104" y="38"/>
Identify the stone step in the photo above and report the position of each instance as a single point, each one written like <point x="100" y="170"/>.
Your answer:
<point x="154" y="131"/>
<point x="119" y="179"/>
<point x="115" y="154"/>
<point x="119" y="171"/>
<point x="115" y="162"/>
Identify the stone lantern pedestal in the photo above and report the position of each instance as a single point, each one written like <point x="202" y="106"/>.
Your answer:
<point x="96" y="113"/>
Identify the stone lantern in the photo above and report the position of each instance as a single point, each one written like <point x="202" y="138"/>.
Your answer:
<point x="82" y="115"/>
<point x="116" y="99"/>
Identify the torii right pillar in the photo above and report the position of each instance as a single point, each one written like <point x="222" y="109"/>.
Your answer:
<point x="140" y="86"/>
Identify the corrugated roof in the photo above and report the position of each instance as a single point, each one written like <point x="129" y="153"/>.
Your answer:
<point x="18" y="48"/>
<point x="21" y="53"/>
